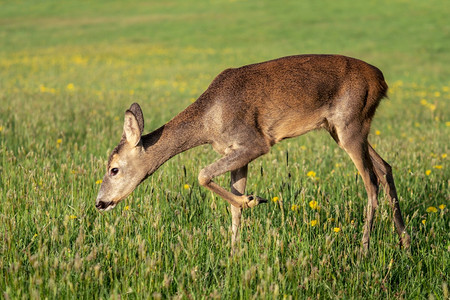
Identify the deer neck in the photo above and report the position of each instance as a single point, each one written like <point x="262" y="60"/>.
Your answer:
<point x="178" y="135"/>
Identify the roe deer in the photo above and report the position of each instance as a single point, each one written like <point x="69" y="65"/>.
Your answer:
<point x="247" y="110"/>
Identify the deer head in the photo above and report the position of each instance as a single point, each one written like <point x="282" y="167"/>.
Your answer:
<point x="124" y="171"/>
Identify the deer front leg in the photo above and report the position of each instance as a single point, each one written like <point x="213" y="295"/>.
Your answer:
<point x="238" y="183"/>
<point x="233" y="161"/>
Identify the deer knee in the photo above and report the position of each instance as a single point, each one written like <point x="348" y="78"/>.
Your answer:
<point x="204" y="178"/>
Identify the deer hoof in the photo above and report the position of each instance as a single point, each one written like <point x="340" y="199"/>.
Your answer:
<point x="405" y="240"/>
<point x="253" y="201"/>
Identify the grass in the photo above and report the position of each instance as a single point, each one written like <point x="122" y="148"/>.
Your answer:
<point x="68" y="71"/>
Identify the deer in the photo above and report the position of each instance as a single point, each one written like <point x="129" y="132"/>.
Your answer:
<point x="247" y="110"/>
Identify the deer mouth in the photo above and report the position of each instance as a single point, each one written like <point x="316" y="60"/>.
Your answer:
<point x="105" y="206"/>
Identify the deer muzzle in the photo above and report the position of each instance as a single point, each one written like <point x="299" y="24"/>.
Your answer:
<point x="104" y="206"/>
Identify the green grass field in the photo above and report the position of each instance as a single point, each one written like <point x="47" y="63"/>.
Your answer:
<point x="69" y="70"/>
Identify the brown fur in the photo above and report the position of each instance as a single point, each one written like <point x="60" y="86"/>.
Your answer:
<point x="247" y="110"/>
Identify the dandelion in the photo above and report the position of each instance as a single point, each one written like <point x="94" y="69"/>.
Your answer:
<point x="443" y="155"/>
<point x="313" y="223"/>
<point x="59" y="141"/>
<point x="438" y="167"/>
<point x="186" y="186"/>
<point x="311" y="174"/>
<point x="442" y="206"/>
<point x="313" y="204"/>
<point x="437" y="94"/>
<point x="294" y="207"/>
<point x="127" y="208"/>
<point x="447" y="123"/>
<point x="428" y="172"/>
<point x="99" y="181"/>
<point x="352" y="222"/>
<point x="427" y="104"/>
<point x="336" y="229"/>
<point x="275" y="199"/>
<point x="377" y="132"/>
<point x="72" y="217"/>
<point x="70" y="87"/>
<point x="431" y="209"/>
<point x="35" y="235"/>
<point x="303" y="147"/>
<point x="424" y="221"/>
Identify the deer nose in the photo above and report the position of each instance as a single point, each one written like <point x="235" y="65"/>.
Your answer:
<point x="101" y="205"/>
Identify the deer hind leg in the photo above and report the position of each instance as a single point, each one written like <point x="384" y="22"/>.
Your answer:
<point x="238" y="183"/>
<point x="384" y="173"/>
<point x="237" y="159"/>
<point x="354" y="141"/>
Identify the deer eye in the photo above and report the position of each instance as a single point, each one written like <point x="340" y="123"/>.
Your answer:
<point x="113" y="171"/>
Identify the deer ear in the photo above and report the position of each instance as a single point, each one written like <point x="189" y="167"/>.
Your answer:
<point x="137" y="111"/>
<point x="131" y="128"/>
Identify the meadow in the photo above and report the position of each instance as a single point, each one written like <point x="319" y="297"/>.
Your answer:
<point x="70" y="69"/>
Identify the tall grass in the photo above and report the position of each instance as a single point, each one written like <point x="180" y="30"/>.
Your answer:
<point x="69" y="70"/>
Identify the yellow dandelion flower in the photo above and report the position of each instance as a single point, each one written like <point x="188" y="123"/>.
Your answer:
<point x="70" y="87"/>
<point x="59" y="141"/>
<point x="336" y="229"/>
<point x="437" y="94"/>
<point x="443" y="155"/>
<point x="438" y="167"/>
<point x="428" y="172"/>
<point x="294" y="207"/>
<point x="352" y="222"/>
<point x="424" y="221"/>
<point x="186" y="186"/>
<point x="275" y="199"/>
<point x="313" y="223"/>
<point x="442" y="206"/>
<point x="127" y="208"/>
<point x="447" y="124"/>
<point x="311" y="174"/>
<point x="72" y="217"/>
<point x="303" y="147"/>
<point x="431" y="209"/>
<point x="99" y="181"/>
<point x="424" y="102"/>
<point x="313" y="204"/>
<point x="377" y="132"/>
<point x="35" y="235"/>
